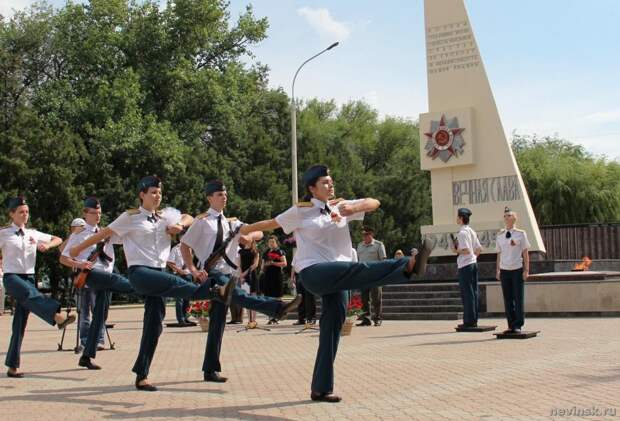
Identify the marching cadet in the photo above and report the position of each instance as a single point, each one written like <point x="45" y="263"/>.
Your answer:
<point x="205" y="236"/>
<point x="146" y="235"/>
<point x="19" y="246"/>
<point x="98" y="261"/>
<point x="324" y="263"/>
<point x="467" y="247"/>
<point x="513" y="268"/>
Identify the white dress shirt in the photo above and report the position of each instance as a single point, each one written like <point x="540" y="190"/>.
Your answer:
<point x="320" y="237"/>
<point x="80" y="237"/>
<point x="511" y="249"/>
<point x="176" y="257"/>
<point x="201" y="236"/>
<point x="19" y="253"/>
<point x="145" y="243"/>
<point x="467" y="239"/>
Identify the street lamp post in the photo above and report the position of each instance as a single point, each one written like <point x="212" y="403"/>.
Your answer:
<point x="294" y="125"/>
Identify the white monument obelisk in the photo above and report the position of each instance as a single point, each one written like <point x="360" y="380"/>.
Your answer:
<point x="462" y="139"/>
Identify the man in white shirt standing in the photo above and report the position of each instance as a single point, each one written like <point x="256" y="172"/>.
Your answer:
<point x="467" y="247"/>
<point x="513" y="267"/>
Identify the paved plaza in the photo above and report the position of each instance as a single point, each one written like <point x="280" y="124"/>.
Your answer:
<point x="402" y="370"/>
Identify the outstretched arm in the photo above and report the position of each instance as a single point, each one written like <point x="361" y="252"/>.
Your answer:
<point x="266" y="225"/>
<point x="91" y="241"/>
<point x="54" y="242"/>
<point x="365" y="205"/>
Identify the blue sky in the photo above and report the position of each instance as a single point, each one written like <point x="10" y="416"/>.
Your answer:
<point x="553" y="65"/>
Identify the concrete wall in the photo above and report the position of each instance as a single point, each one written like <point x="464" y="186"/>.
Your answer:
<point x="551" y="297"/>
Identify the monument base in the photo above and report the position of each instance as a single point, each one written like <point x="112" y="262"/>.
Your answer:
<point x="523" y="335"/>
<point x="186" y="324"/>
<point x="475" y="329"/>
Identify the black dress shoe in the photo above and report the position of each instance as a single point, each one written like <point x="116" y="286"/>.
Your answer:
<point x="292" y="305"/>
<point x="378" y="322"/>
<point x="364" y="322"/>
<point x="214" y="376"/>
<point x="86" y="362"/>
<point x="14" y="374"/>
<point x="424" y="252"/>
<point x="325" y="397"/>
<point x="145" y="387"/>
<point x="299" y="323"/>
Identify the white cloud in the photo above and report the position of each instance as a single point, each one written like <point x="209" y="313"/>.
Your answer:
<point x="324" y="23"/>
<point x="601" y="117"/>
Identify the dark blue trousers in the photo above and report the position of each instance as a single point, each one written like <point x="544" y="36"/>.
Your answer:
<point x="266" y="305"/>
<point x="27" y="299"/>
<point x="332" y="281"/>
<point x="468" y="283"/>
<point x="513" y="289"/>
<point x="102" y="283"/>
<point x="156" y="284"/>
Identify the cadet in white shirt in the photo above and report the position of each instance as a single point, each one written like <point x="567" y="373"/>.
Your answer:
<point x="146" y="236"/>
<point x="19" y="246"/>
<point x="177" y="266"/>
<point x="513" y="268"/>
<point x="207" y="234"/>
<point x="468" y="248"/>
<point x="98" y="261"/>
<point x="324" y="263"/>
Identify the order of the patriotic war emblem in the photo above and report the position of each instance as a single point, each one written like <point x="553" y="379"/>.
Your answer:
<point x="444" y="139"/>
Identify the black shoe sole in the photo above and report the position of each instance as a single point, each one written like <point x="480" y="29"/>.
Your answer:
<point x="286" y="308"/>
<point x="421" y="259"/>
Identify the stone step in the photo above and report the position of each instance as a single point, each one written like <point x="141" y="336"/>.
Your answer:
<point x="420" y="287"/>
<point x="390" y="302"/>
<point x="397" y="295"/>
<point x="389" y="309"/>
<point x="423" y="316"/>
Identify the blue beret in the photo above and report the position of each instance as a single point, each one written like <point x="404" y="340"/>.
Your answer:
<point x="149" y="181"/>
<point x="214" y="186"/>
<point x="92" y="202"/>
<point x="464" y="212"/>
<point x="15" y="202"/>
<point x="313" y="173"/>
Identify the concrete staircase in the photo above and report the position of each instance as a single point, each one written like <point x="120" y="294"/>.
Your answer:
<point x="432" y="301"/>
<point x="422" y="302"/>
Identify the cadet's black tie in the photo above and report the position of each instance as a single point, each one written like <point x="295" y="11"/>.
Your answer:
<point x="326" y="210"/>
<point x="20" y="232"/>
<point x="153" y="218"/>
<point x="219" y="237"/>
<point x="96" y="230"/>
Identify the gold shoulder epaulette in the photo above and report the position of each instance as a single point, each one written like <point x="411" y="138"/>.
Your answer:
<point x="503" y="230"/>
<point x="4" y="227"/>
<point x="202" y="215"/>
<point x="304" y="204"/>
<point x="133" y="211"/>
<point x="335" y="201"/>
<point x="232" y="219"/>
<point x="517" y="229"/>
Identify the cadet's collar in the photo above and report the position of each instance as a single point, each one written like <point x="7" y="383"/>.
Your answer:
<point x="90" y="228"/>
<point x="318" y="203"/>
<point x="146" y="212"/>
<point x="215" y="213"/>
<point x="17" y="227"/>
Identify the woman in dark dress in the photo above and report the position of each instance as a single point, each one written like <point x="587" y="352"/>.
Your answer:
<point x="249" y="260"/>
<point x="274" y="260"/>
